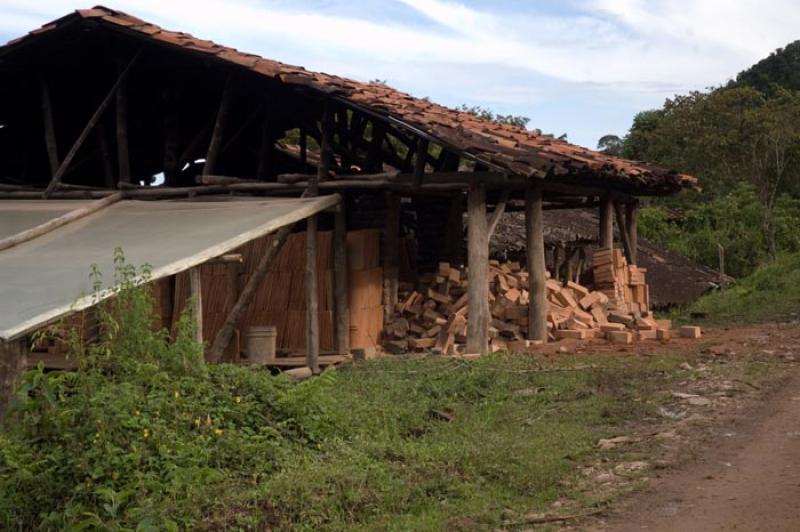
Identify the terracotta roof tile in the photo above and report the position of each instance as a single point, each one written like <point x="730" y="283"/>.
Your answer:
<point x="523" y="152"/>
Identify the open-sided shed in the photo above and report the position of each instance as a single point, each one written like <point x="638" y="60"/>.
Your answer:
<point x="99" y="102"/>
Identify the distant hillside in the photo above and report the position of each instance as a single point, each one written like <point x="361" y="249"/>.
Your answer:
<point x="782" y="67"/>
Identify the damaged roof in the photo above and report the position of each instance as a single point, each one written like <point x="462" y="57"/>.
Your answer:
<point x="504" y="148"/>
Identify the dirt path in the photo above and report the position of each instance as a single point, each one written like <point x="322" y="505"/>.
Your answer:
<point x="747" y="478"/>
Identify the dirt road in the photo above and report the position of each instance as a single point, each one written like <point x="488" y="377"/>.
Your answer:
<point x="746" y="479"/>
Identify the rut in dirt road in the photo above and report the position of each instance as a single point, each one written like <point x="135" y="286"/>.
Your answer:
<point x="749" y="482"/>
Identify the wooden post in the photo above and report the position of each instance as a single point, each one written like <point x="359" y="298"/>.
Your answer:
<point x="105" y="155"/>
<point x="419" y="163"/>
<point x="341" y="309"/>
<point x="232" y="270"/>
<point x="12" y="364"/>
<point x="478" y="272"/>
<point x="171" y="138"/>
<point x="49" y="129"/>
<point x="534" y="234"/>
<point x="219" y="127"/>
<point x="606" y="239"/>
<point x="196" y="295"/>
<point x="265" y="152"/>
<point x="312" y="294"/>
<point x="54" y="182"/>
<point x="623" y="232"/>
<point x="391" y="245"/>
<point x="631" y="222"/>
<point x="303" y="151"/>
<point x="123" y="156"/>
<point x="499" y="209"/>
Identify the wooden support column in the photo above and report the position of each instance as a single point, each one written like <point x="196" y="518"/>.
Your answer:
<point x="478" y="272"/>
<point x="537" y="276"/>
<point x="219" y="127"/>
<point x="419" y="163"/>
<point x="391" y="245"/>
<point x="312" y="293"/>
<point x="267" y="148"/>
<point x="54" y="182"/>
<point x="12" y="364"/>
<point x="123" y="156"/>
<point x="341" y="309"/>
<point x="49" y="129"/>
<point x="105" y="155"/>
<point x="623" y="232"/>
<point x="196" y="298"/>
<point x="631" y="223"/>
<point x="606" y="239"/>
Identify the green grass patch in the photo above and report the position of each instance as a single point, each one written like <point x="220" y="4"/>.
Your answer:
<point x="146" y="437"/>
<point x="773" y="291"/>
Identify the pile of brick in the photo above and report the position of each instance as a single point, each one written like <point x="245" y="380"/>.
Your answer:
<point x="433" y="317"/>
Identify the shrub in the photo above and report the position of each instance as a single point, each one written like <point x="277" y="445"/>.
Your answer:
<point x="144" y="434"/>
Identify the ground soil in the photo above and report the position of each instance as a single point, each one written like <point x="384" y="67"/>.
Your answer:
<point x="743" y="471"/>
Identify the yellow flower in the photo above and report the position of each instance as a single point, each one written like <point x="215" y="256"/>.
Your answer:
<point x="197" y="422"/>
<point x="146" y="433"/>
<point x="136" y="413"/>
<point x="218" y="432"/>
<point x="238" y="399"/>
<point x="177" y="394"/>
<point x="115" y="475"/>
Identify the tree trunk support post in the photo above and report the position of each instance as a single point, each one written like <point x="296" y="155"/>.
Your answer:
<point x="49" y="129"/>
<point x="196" y="298"/>
<point x="606" y="240"/>
<point x="391" y="271"/>
<point x="478" y="270"/>
<point x="219" y="127"/>
<point x="12" y="364"/>
<point x="623" y="232"/>
<point x="631" y="223"/>
<point x="312" y="293"/>
<point x="341" y="307"/>
<point x="537" y="276"/>
<point x="123" y="156"/>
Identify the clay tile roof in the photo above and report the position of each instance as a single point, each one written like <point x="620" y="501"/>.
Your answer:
<point x="500" y="146"/>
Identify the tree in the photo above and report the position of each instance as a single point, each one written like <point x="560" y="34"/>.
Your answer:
<point x="610" y="145"/>
<point x="487" y="114"/>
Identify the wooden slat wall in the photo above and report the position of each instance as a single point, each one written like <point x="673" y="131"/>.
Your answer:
<point x="280" y="300"/>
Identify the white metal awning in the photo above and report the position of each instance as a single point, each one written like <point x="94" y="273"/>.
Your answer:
<point x="48" y="277"/>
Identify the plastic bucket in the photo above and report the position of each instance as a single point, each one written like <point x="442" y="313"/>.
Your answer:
<point x="260" y="344"/>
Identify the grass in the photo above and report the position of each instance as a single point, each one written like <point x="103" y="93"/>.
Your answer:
<point x="772" y="292"/>
<point x="513" y="435"/>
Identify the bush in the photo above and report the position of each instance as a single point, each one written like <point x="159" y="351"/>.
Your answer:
<point x="734" y="220"/>
<point x="145" y="435"/>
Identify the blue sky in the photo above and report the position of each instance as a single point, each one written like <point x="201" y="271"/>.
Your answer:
<point x="581" y="67"/>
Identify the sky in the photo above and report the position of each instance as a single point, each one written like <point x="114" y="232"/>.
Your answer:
<point x="580" y="67"/>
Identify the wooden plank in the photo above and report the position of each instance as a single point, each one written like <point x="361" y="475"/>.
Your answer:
<point x="537" y="276"/>
<point x="219" y="127"/>
<point x="478" y="274"/>
<point x="55" y="223"/>
<point x="88" y="128"/>
<point x="340" y="289"/>
<point x="196" y="298"/>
